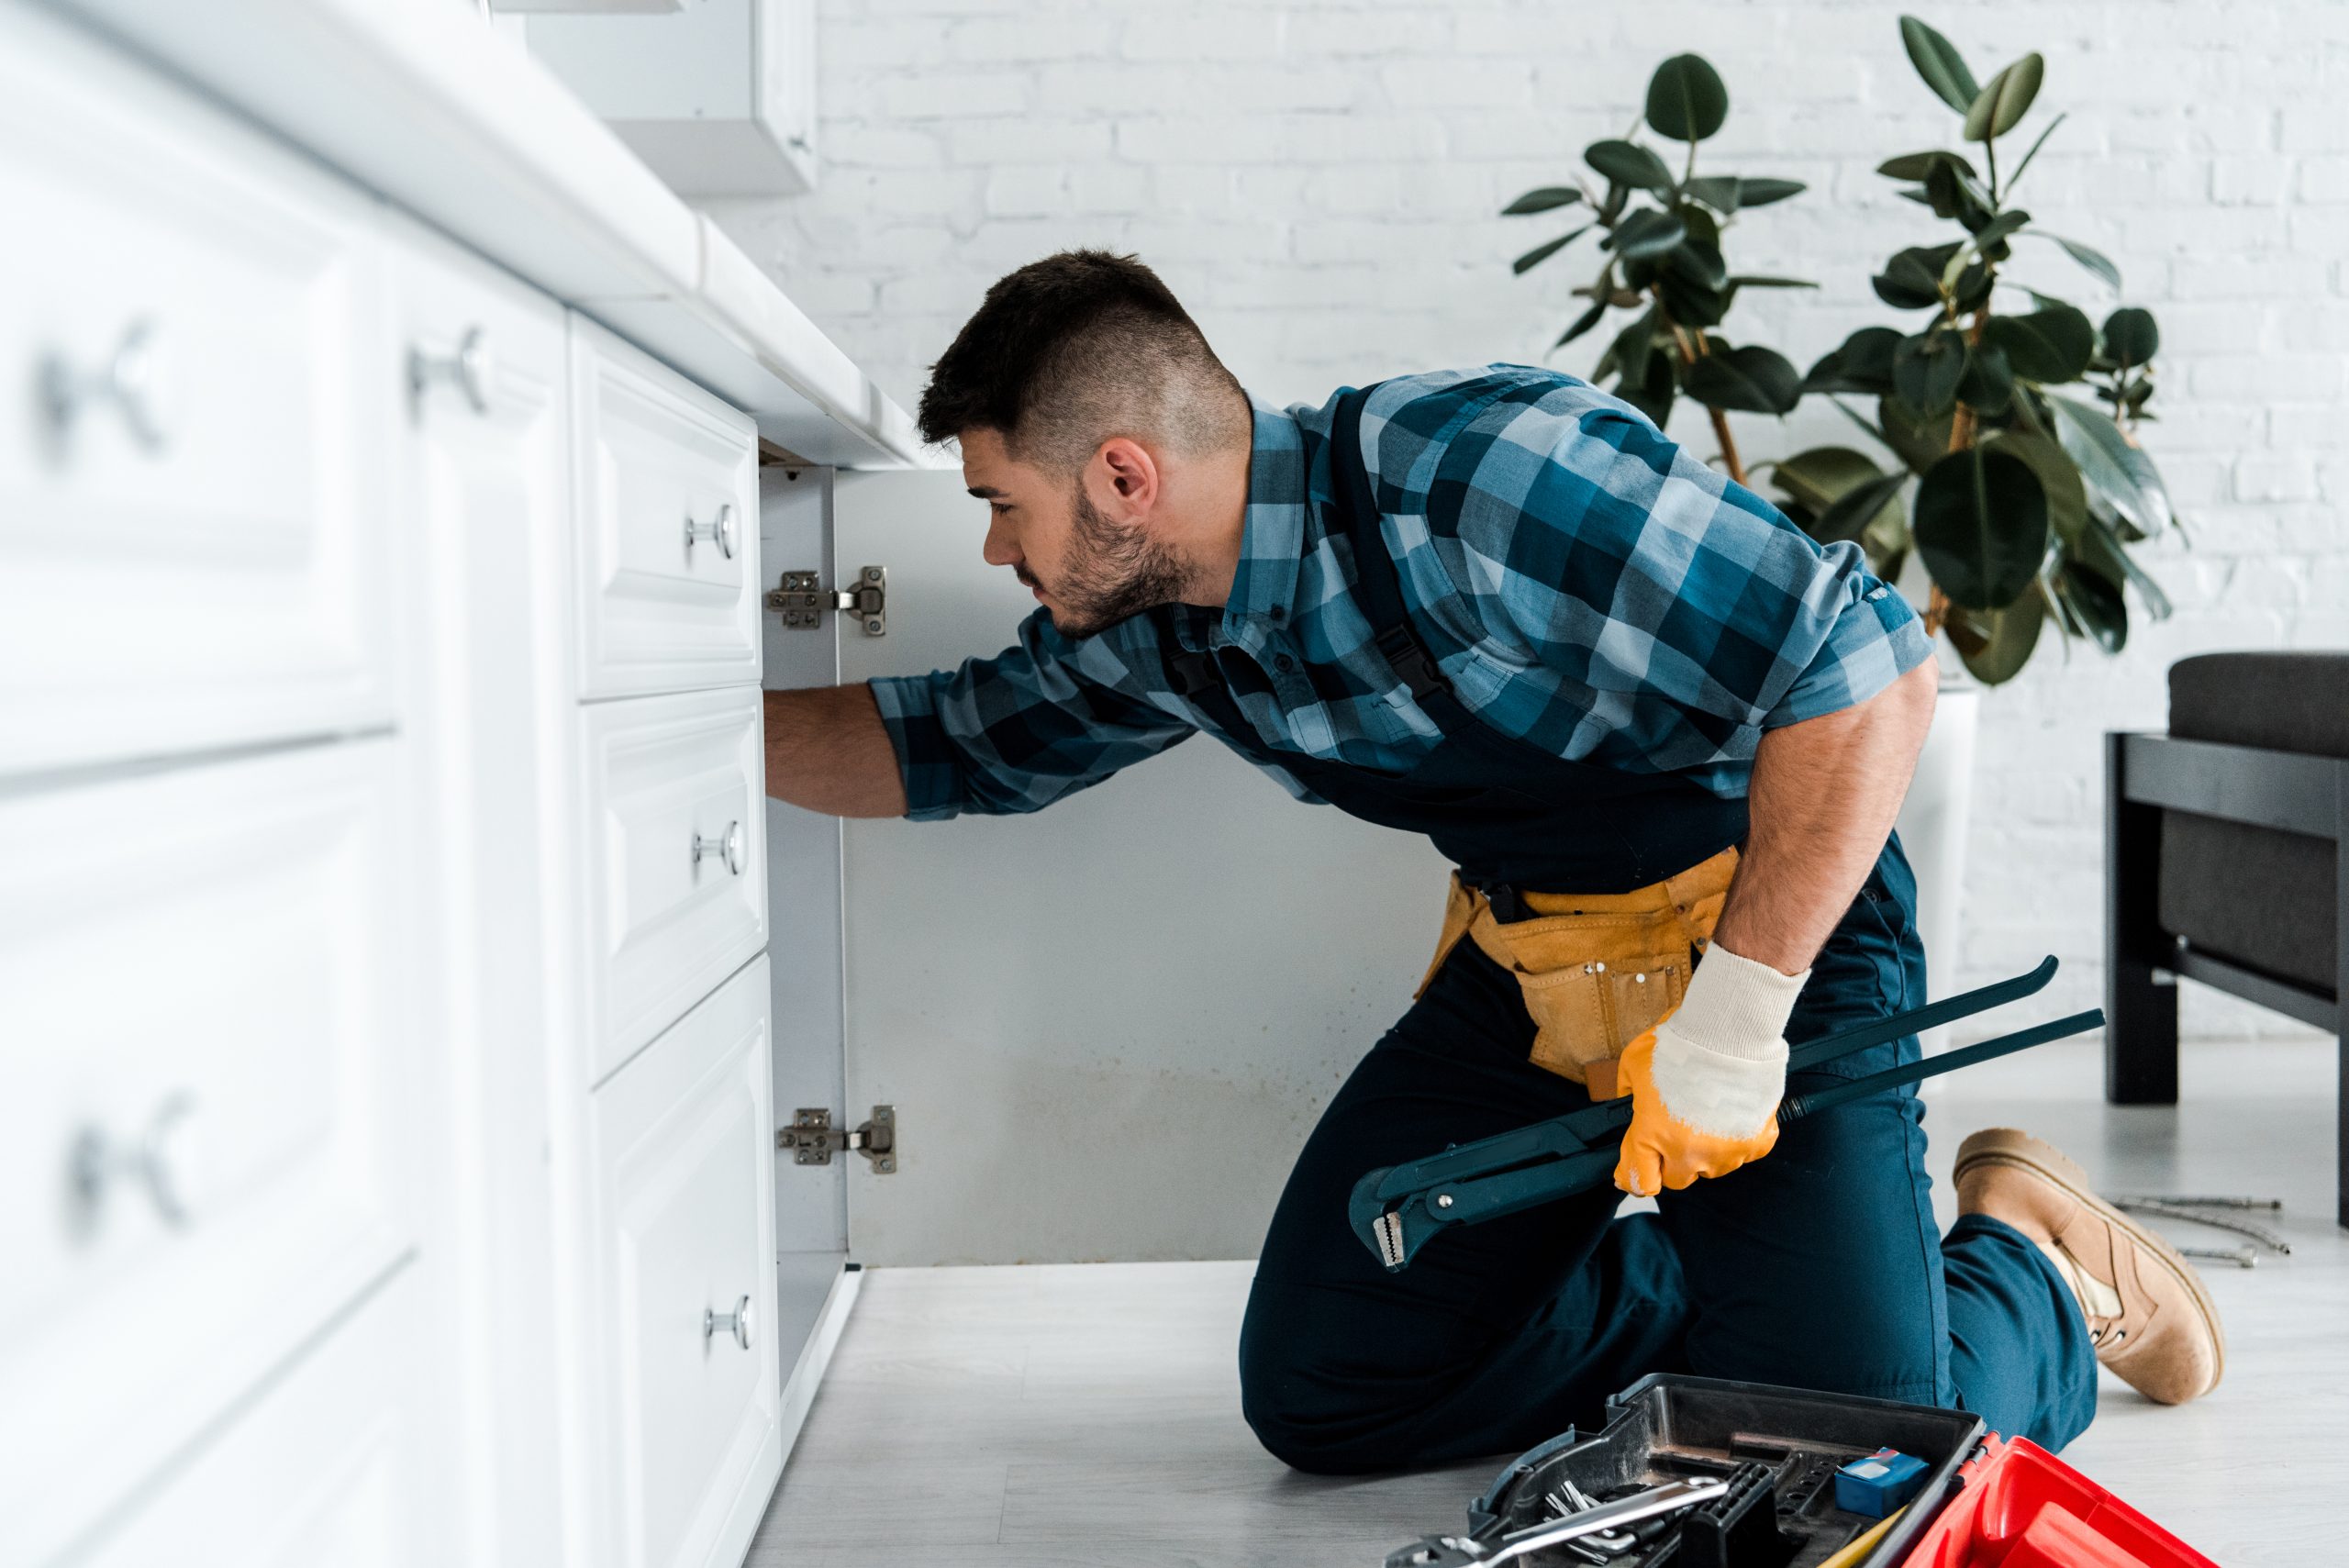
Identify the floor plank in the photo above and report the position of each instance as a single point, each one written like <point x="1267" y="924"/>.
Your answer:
<point x="1059" y="1417"/>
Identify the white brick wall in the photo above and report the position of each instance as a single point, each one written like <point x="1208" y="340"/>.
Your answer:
<point x="1320" y="182"/>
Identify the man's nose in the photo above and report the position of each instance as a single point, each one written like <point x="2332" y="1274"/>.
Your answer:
<point x="999" y="548"/>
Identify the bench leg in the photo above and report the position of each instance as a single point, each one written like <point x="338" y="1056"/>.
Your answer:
<point x="2139" y="999"/>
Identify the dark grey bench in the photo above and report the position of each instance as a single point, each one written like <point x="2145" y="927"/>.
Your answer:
<point x="2227" y="862"/>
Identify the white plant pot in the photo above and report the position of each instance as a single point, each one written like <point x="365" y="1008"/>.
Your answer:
<point x="1932" y="829"/>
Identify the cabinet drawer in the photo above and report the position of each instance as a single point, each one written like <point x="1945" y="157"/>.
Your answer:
<point x="668" y="546"/>
<point x="199" y="1082"/>
<point x="194" y="377"/>
<point x="331" y="1466"/>
<point x="682" y="1146"/>
<point x="674" y="860"/>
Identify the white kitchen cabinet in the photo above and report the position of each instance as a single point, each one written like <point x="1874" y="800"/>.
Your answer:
<point x="719" y="98"/>
<point x="202" y="1103"/>
<point x="333" y="1464"/>
<point x="667" y="486"/>
<point x="672" y="850"/>
<point x="192" y="534"/>
<point x="682" y="1143"/>
<point x="481" y="487"/>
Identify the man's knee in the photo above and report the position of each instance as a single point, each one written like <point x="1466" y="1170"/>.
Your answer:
<point x="1311" y="1412"/>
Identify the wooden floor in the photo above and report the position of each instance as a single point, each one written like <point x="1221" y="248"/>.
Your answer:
<point x="1089" y="1415"/>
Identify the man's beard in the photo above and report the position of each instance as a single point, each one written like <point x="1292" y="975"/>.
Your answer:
<point x="1112" y="573"/>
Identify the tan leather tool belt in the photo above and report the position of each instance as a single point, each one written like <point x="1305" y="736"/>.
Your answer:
<point x="1598" y="970"/>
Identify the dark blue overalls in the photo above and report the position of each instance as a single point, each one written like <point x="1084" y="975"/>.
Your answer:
<point x="1818" y="1266"/>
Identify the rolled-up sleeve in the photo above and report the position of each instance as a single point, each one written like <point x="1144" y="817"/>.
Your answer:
<point x="1040" y="721"/>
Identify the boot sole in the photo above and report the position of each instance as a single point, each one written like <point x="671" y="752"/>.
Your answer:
<point x="2008" y="1146"/>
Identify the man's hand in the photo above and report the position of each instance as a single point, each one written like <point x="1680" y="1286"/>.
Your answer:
<point x="1705" y="1083"/>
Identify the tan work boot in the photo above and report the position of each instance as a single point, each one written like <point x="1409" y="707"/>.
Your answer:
<point x="2148" y="1316"/>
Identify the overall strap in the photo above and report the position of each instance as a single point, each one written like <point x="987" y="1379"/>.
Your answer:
<point x="1378" y="583"/>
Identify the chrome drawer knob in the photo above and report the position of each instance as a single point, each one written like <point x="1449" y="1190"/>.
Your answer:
<point x="729" y="847"/>
<point x="99" y="1161"/>
<point x="470" y="369"/>
<point x="739" y="1323"/>
<point x="720" y="530"/>
<point x="136" y="382"/>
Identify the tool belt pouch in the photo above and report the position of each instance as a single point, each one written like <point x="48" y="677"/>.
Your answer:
<point x="1597" y="971"/>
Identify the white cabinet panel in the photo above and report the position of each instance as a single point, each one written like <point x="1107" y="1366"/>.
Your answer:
<point x="667" y="482"/>
<point x="481" y="491"/>
<point x="682" y="1149"/>
<point x="332" y="1468"/>
<point x="201" y="1078"/>
<point x="193" y="388"/>
<point x="675" y="858"/>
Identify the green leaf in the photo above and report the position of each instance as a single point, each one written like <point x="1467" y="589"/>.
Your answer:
<point x="1863" y="364"/>
<point x="1752" y="379"/>
<point x="1754" y="193"/>
<point x="1648" y="233"/>
<point x="1722" y="192"/>
<point x="1920" y="442"/>
<point x="1981" y="527"/>
<point x="1998" y="228"/>
<point x="1685" y="99"/>
<point x="1938" y="62"/>
<point x="2095" y="605"/>
<point x="2059" y="478"/>
<point x="2007" y="99"/>
<point x="1926" y="370"/>
<point x="1917" y="166"/>
<point x="2100" y="548"/>
<point x="1951" y="193"/>
<point x="1653" y="395"/>
<point x="1989" y="385"/>
<point x="1583" y="323"/>
<point x="1916" y="194"/>
<point x="1543" y="252"/>
<point x="1814" y="478"/>
<point x="2130" y="338"/>
<point x="1543" y="200"/>
<point x="1628" y="164"/>
<point x="1699" y="262"/>
<point x="1912" y="280"/>
<point x="2095" y="261"/>
<point x="1995" y="644"/>
<point x="2037" y="142"/>
<point x="1873" y="503"/>
<point x="1631" y="351"/>
<point x="2051" y="345"/>
<point x="2113" y="468"/>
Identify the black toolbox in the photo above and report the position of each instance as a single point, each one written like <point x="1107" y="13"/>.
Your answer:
<point x="1669" y="1427"/>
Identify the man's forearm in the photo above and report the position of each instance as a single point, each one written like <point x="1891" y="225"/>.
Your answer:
<point x="1823" y="801"/>
<point x="828" y="750"/>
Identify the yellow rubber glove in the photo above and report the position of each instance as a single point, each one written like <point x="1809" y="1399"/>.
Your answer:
<point x="1706" y="1082"/>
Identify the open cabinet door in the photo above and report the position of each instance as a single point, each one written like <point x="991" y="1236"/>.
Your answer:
<point x="1105" y="1028"/>
<point x="812" y="1292"/>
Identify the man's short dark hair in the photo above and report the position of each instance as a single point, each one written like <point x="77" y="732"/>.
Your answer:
<point x="1068" y="351"/>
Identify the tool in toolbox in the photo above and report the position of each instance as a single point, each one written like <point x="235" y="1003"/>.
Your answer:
<point x="1395" y="1209"/>
<point x="1474" y="1551"/>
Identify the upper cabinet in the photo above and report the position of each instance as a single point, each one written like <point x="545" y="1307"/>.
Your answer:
<point x="718" y="97"/>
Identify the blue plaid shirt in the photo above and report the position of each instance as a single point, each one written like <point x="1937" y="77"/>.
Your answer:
<point x="1585" y="585"/>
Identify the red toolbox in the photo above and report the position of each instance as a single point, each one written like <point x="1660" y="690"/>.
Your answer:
<point x="2019" y="1506"/>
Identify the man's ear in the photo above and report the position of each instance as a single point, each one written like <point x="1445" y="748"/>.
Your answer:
<point x="1123" y="479"/>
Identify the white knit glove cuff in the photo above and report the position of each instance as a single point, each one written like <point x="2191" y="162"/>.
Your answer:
<point x="1721" y="1059"/>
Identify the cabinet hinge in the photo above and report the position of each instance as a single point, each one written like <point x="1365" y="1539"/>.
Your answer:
<point x="802" y="600"/>
<point x="812" y="1140"/>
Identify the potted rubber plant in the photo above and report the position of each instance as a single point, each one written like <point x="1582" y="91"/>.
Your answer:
<point x="2006" y="417"/>
<point x="1660" y="236"/>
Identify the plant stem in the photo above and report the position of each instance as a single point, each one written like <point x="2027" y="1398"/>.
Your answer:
<point x="1963" y="422"/>
<point x="1991" y="156"/>
<point x="1936" y="610"/>
<point x="1688" y="356"/>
